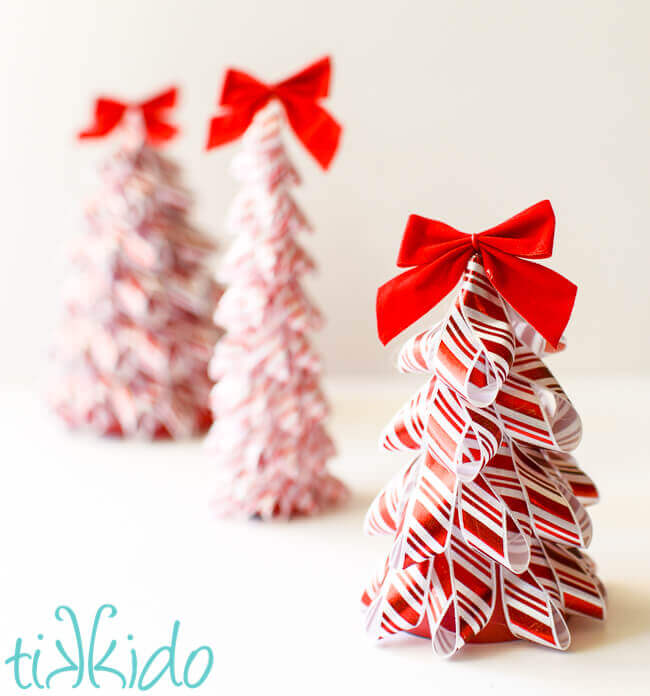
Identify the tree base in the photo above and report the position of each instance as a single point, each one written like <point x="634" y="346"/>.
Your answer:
<point x="105" y="423"/>
<point x="253" y="497"/>
<point x="495" y="631"/>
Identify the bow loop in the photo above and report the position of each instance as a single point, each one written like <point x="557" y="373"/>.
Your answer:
<point x="438" y="255"/>
<point x="239" y="89"/>
<point x="313" y="82"/>
<point x="109" y="113"/>
<point x="164" y="100"/>
<point x="243" y="96"/>
<point x="528" y="234"/>
<point x="425" y="240"/>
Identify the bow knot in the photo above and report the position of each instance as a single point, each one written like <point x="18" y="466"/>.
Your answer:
<point x="110" y="112"/>
<point x="438" y="255"/>
<point x="242" y="96"/>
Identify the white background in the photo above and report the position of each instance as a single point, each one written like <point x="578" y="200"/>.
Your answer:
<point x="464" y="111"/>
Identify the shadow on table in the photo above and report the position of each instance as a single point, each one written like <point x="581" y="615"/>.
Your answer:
<point x="359" y="501"/>
<point x="628" y="616"/>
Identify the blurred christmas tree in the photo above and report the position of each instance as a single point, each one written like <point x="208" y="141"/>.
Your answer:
<point x="137" y="333"/>
<point x="268" y="434"/>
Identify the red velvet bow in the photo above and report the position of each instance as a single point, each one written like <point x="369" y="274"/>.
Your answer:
<point x="109" y="113"/>
<point x="440" y="255"/>
<point x="243" y="96"/>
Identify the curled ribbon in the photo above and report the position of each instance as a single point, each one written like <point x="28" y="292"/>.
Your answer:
<point x="243" y="96"/>
<point x="440" y="253"/>
<point x="110" y="112"/>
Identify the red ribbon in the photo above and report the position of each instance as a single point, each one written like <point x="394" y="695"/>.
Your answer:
<point x="110" y="112"/>
<point x="440" y="254"/>
<point x="243" y="96"/>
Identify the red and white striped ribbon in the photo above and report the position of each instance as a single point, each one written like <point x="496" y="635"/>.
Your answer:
<point x="556" y="514"/>
<point x="476" y="343"/>
<point x="399" y="603"/>
<point x="459" y="436"/>
<point x="530" y="611"/>
<point x="568" y="470"/>
<point x="418" y="353"/>
<point x="427" y="516"/>
<point x="488" y="526"/>
<point x="406" y="429"/>
<point x="490" y="513"/>
<point x="580" y="591"/>
<point x="385" y="511"/>
<point x="538" y="416"/>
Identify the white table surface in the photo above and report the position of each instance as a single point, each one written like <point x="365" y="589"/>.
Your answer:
<point x="88" y="521"/>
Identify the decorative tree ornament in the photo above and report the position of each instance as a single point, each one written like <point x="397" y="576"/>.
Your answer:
<point x="488" y="518"/>
<point x="268" y="436"/>
<point x="137" y="334"/>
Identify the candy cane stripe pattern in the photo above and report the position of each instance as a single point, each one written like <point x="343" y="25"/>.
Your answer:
<point x="476" y="344"/>
<point x="400" y="601"/>
<point x="501" y="474"/>
<point x="556" y="513"/>
<point x="531" y="613"/>
<point x="488" y="526"/>
<point x="383" y="514"/>
<point x="406" y="429"/>
<point x="474" y="578"/>
<point x="542" y="570"/>
<point x="488" y="520"/>
<point x="580" y="590"/>
<point x="426" y="523"/>
<point x="268" y="439"/>
<point x="464" y="439"/>
<point x="417" y="353"/>
<point x="567" y="468"/>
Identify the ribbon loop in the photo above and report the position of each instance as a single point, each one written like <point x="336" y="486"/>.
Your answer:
<point x="242" y="96"/>
<point x="438" y="255"/>
<point x="110" y="112"/>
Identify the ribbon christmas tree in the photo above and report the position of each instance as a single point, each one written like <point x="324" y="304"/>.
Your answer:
<point x="488" y="518"/>
<point x="137" y="333"/>
<point x="268" y="435"/>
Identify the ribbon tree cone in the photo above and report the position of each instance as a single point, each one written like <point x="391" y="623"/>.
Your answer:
<point x="488" y="517"/>
<point x="137" y="331"/>
<point x="268" y="436"/>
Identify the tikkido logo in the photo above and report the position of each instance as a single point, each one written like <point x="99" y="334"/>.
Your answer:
<point x="72" y="664"/>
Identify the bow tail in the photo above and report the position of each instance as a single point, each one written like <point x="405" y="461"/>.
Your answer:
<point x="404" y="299"/>
<point x="532" y="289"/>
<point x="318" y="131"/>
